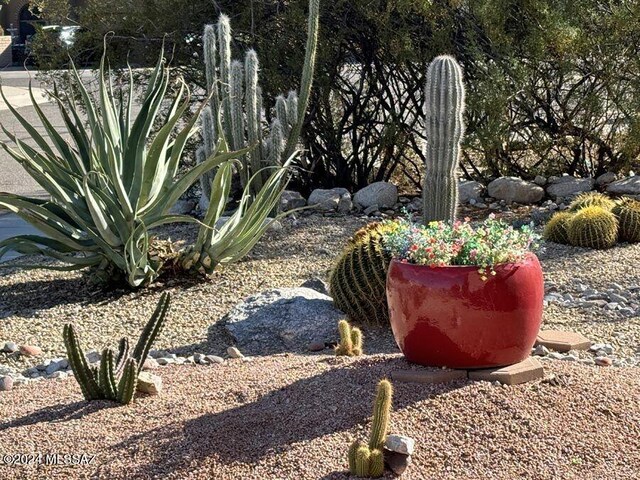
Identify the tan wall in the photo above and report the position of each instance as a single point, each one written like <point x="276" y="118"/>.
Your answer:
<point x="6" y="58"/>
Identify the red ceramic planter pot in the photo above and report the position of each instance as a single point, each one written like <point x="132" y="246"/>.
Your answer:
<point x="450" y="317"/>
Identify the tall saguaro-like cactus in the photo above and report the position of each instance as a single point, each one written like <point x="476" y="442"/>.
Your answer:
<point x="235" y="113"/>
<point x="444" y="109"/>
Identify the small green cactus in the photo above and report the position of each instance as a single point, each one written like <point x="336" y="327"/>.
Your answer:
<point x="593" y="227"/>
<point x="627" y="211"/>
<point x="358" y="280"/>
<point x="591" y="199"/>
<point x="556" y="228"/>
<point x="116" y="377"/>
<point x="350" y="340"/>
<point x="367" y="461"/>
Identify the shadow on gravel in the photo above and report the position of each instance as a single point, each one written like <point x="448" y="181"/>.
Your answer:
<point x="58" y="413"/>
<point x="329" y="403"/>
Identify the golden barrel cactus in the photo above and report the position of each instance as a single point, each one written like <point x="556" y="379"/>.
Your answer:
<point x="556" y="229"/>
<point x="591" y="199"/>
<point x="593" y="227"/>
<point x="627" y="212"/>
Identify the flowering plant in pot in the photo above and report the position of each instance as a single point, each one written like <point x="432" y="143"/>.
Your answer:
<point x="458" y="296"/>
<point x="462" y="296"/>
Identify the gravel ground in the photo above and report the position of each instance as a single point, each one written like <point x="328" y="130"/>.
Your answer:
<point x="35" y="304"/>
<point x="293" y="417"/>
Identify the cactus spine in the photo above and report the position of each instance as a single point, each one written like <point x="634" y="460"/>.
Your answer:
<point x="591" y="199"/>
<point x="444" y="109"/>
<point x="350" y="340"/>
<point x="556" y="229"/>
<point x="627" y="211"/>
<point x="117" y="377"/>
<point x="236" y="98"/>
<point x="368" y="460"/>
<point x="358" y="280"/>
<point x="593" y="227"/>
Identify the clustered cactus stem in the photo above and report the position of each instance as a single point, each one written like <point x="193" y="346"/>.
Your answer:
<point x="236" y="104"/>
<point x="350" y="340"/>
<point x="367" y="460"/>
<point x="116" y="378"/>
<point x="444" y="109"/>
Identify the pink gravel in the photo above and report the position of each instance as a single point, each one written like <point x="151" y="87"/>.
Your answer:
<point x="293" y="417"/>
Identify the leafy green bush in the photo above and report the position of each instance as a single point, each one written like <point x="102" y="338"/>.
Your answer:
<point x="117" y="180"/>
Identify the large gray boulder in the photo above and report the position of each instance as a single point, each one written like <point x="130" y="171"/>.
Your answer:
<point x="468" y="190"/>
<point x="514" y="189"/>
<point x="561" y="187"/>
<point x="334" y="199"/>
<point x="625" y="186"/>
<point x="282" y="320"/>
<point x="382" y="194"/>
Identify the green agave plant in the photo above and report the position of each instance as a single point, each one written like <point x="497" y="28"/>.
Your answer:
<point x="115" y="181"/>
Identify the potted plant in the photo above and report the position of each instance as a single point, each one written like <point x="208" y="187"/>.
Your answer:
<point x="463" y="297"/>
<point x="459" y="296"/>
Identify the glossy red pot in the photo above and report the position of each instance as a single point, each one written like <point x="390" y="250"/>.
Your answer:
<point x="450" y="317"/>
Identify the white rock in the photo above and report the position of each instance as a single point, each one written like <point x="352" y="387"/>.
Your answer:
<point x="10" y="347"/>
<point x="330" y="200"/>
<point x="514" y="189"/>
<point x="382" y="194"/>
<point x="6" y="383"/>
<point x="149" y="383"/>
<point x="569" y="186"/>
<point x="470" y="191"/>
<point x="233" y="352"/>
<point x="400" y="444"/>
<point x="625" y="186"/>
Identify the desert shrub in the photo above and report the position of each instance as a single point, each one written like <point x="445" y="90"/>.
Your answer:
<point x="114" y="181"/>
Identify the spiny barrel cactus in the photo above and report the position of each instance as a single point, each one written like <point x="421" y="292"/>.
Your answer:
<point x="556" y="229"/>
<point x="591" y="199"/>
<point x="117" y="376"/>
<point x="235" y="114"/>
<point x="358" y="280"/>
<point x="350" y="340"/>
<point x="593" y="227"/>
<point x="444" y="109"/>
<point x="627" y="212"/>
<point x="368" y="460"/>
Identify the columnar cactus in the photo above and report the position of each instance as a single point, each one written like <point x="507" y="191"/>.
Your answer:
<point x="350" y="340"/>
<point x="593" y="227"/>
<point x="358" y="280"/>
<point x="236" y="100"/>
<point x="368" y="460"/>
<point x="116" y="377"/>
<point x="444" y="108"/>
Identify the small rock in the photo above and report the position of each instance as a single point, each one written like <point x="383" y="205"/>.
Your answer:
<point x="625" y="186"/>
<point x="10" y="347"/>
<point x="614" y="297"/>
<point x="555" y="356"/>
<point x="211" y="359"/>
<point x="569" y="358"/>
<point x="58" y="374"/>
<point x="93" y="356"/>
<point x="149" y="383"/>
<point x="150" y="364"/>
<point x="606" y="178"/>
<point x="30" y="351"/>
<point x="540" y="180"/>
<point x="290" y="200"/>
<point x="165" y="360"/>
<point x="603" y="361"/>
<point x="470" y="191"/>
<point x="513" y="189"/>
<point x="400" y="444"/>
<point x="316" y="346"/>
<point x="316" y="284"/>
<point x="607" y="348"/>
<point x="233" y="352"/>
<point x="568" y="186"/>
<point x="6" y="383"/>
<point x="330" y="200"/>
<point x="371" y="210"/>
<point x="397" y="462"/>
<point x="540" y="351"/>
<point x="56" y="365"/>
